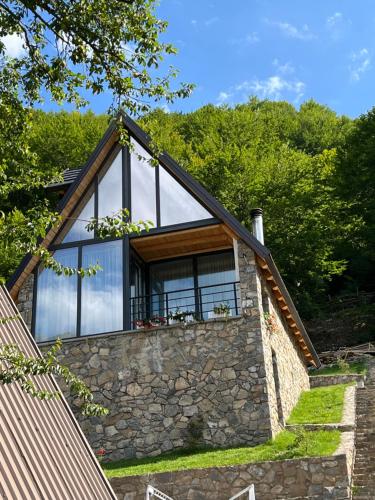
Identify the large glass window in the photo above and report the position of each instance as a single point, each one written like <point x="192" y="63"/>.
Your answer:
<point x="171" y="284"/>
<point x="76" y="228"/>
<point x="110" y="189"/>
<point x="102" y="294"/>
<point x="56" y="305"/>
<point x="176" y="204"/>
<point x="143" y="185"/>
<point x="216" y="275"/>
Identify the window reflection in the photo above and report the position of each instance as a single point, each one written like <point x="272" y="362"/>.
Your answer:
<point x="169" y="280"/>
<point x="102" y="294"/>
<point x="77" y="230"/>
<point x="143" y="195"/>
<point x="176" y="204"/>
<point x="214" y="271"/>
<point x="110" y="189"/>
<point x="56" y="306"/>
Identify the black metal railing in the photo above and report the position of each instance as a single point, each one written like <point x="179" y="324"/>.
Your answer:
<point x="186" y="305"/>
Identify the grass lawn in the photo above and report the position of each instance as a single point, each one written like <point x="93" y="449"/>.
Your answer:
<point x="358" y="367"/>
<point x="321" y="405"/>
<point x="285" y="445"/>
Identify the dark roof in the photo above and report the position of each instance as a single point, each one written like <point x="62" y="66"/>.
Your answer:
<point x="69" y="176"/>
<point x="203" y="196"/>
<point x="43" y="452"/>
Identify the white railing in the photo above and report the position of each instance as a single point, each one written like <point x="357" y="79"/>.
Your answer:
<point x="152" y="492"/>
<point x="249" y="491"/>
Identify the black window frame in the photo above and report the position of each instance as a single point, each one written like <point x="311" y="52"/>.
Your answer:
<point x="126" y="248"/>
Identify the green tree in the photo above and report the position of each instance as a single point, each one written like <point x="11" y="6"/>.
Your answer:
<point x="70" y="50"/>
<point x="268" y="154"/>
<point x="356" y="184"/>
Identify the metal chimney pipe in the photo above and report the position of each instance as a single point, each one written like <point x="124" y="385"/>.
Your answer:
<point x="256" y="215"/>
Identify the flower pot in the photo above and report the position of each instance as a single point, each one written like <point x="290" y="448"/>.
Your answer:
<point x="213" y="315"/>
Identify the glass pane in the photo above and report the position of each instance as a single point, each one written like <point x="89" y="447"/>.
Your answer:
<point x="56" y="305"/>
<point x="143" y="188"/>
<point x="102" y="302"/>
<point x="176" y="204"/>
<point x="172" y="287"/>
<point x="216" y="275"/>
<point x="110" y="189"/>
<point x="76" y="231"/>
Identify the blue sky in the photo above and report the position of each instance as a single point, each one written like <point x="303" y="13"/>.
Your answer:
<point x="290" y="49"/>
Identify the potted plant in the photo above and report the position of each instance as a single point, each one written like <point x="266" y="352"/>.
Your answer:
<point x="220" y="311"/>
<point x="153" y="322"/>
<point x="179" y="316"/>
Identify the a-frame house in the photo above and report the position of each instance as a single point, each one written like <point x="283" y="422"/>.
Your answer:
<point x="196" y="266"/>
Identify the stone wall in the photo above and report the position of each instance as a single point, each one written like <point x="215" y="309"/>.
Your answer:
<point x="25" y="300"/>
<point x="324" y="380"/>
<point x="174" y="387"/>
<point x="285" y="365"/>
<point x="317" y="478"/>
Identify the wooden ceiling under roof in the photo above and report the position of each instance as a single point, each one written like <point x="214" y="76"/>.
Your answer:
<point x="187" y="242"/>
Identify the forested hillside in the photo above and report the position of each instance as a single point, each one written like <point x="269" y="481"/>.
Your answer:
<point x="310" y="170"/>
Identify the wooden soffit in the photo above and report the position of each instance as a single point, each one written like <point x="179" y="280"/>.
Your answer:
<point x="186" y="242"/>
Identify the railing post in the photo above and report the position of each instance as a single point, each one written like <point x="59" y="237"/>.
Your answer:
<point x="235" y="297"/>
<point x="197" y="294"/>
<point x="200" y="305"/>
<point x="167" y="308"/>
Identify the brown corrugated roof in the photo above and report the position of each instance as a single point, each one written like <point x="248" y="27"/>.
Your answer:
<point x="43" y="452"/>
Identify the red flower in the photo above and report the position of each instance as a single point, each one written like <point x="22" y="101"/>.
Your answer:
<point x="100" y="452"/>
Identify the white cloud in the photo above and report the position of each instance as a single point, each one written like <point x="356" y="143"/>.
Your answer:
<point x="336" y="25"/>
<point x="166" y="108"/>
<point x="285" y="69"/>
<point x="249" y="39"/>
<point x="223" y="98"/>
<point x="360" y="63"/>
<point x="334" y="20"/>
<point x="211" y="21"/>
<point x="194" y="22"/>
<point x="13" y="45"/>
<point x="291" y="31"/>
<point x="275" y="87"/>
<point x="252" y="38"/>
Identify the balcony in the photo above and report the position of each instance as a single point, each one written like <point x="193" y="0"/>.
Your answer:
<point x="186" y="305"/>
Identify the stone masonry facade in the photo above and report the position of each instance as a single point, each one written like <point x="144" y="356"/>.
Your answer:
<point x="319" y="478"/>
<point x="209" y="382"/>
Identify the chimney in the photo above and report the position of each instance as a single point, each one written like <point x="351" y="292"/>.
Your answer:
<point x="256" y="215"/>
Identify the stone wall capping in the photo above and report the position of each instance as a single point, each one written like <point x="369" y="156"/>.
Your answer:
<point x="324" y="380"/>
<point x="148" y="331"/>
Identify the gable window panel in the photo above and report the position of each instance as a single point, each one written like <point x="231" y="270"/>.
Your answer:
<point x="56" y="303"/>
<point x="143" y="185"/>
<point x="110" y="189"/>
<point x="102" y="294"/>
<point x="76" y="229"/>
<point x="176" y="204"/>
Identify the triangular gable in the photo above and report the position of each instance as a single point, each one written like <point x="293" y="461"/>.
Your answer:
<point x="196" y="190"/>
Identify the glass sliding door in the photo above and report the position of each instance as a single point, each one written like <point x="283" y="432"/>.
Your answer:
<point x="216" y="274"/>
<point x="102" y="294"/>
<point x="56" y="303"/>
<point x="172" y="287"/>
